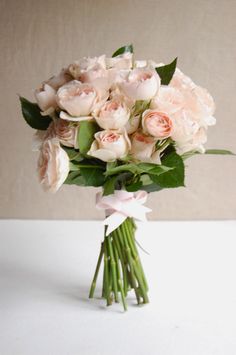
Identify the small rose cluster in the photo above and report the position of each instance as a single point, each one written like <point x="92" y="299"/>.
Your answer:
<point x="137" y="116"/>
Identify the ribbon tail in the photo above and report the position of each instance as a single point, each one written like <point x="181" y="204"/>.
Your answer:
<point x="114" y="221"/>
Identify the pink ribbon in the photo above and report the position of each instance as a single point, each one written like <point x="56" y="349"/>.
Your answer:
<point x="120" y="205"/>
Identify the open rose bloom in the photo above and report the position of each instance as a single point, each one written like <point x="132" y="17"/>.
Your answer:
<point x="126" y="126"/>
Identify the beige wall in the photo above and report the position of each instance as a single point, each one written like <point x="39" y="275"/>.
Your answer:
<point x="37" y="38"/>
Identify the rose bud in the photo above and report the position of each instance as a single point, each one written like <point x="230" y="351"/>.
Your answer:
<point x="157" y="124"/>
<point x="53" y="165"/>
<point x="46" y="98"/>
<point x="141" y="84"/>
<point x="77" y="99"/>
<point x="143" y="147"/>
<point x="114" y="114"/>
<point x="110" y="145"/>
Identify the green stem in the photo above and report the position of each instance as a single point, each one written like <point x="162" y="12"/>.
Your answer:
<point x="130" y="227"/>
<point x="119" y="252"/>
<point x="129" y="258"/>
<point x="93" y="285"/>
<point x="119" y="279"/>
<point x="122" y="266"/>
<point x="113" y="268"/>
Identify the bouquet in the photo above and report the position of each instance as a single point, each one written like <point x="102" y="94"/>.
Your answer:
<point x="126" y="126"/>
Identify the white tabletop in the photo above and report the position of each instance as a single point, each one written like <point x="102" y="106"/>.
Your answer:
<point x="45" y="273"/>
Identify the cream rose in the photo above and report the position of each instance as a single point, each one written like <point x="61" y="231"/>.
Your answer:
<point x="141" y="84"/>
<point x="123" y="61"/>
<point x="168" y="99"/>
<point x="110" y="145"/>
<point x="77" y="99"/>
<point x="198" y="103"/>
<point x="114" y="114"/>
<point x="157" y="124"/>
<point x="194" y="143"/>
<point x="91" y="70"/>
<point x="66" y="132"/>
<point x="53" y="165"/>
<point x="132" y="124"/>
<point x="143" y="148"/>
<point x="59" y="80"/>
<point x="86" y="64"/>
<point x="46" y="98"/>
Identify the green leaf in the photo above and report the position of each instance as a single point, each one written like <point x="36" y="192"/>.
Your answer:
<point x="208" y="151"/>
<point x="140" y="106"/>
<point x="134" y="186"/>
<point x="148" y="185"/>
<point x="73" y="154"/>
<point x="219" y="151"/>
<point x="151" y="188"/>
<point x="172" y="178"/>
<point x="166" y="72"/>
<point x="74" y="178"/>
<point x="129" y="48"/>
<point x="109" y="185"/>
<point x="86" y="135"/>
<point x="139" y="169"/>
<point x="92" y="176"/>
<point x="32" y="115"/>
<point x="74" y="167"/>
<point x="153" y="168"/>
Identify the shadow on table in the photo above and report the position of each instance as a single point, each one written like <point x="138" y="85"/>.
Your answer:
<point x="22" y="284"/>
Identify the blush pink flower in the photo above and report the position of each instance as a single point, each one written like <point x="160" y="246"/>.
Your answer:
<point x="110" y="145"/>
<point x="143" y="147"/>
<point x="53" y="165"/>
<point x="141" y="84"/>
<point x="77" y="99"/>
<point x="114" y="114"/>
<point x="157" y="124"/>
<point x="46" y="98"/>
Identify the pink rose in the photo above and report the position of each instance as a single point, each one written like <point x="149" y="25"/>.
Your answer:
<point x="110" y="145"/>
<point x="141" y="84"/>
<point x="66" y="132"/>
<point x="91" y="70"/>
<point x="77" y="99"/>
<point x="46" y="98"/>
<point x="53" y="165"/>
<point x="143" y="148"/>
<point x="59" y="80"/>
<point x="123" y="61"/>
<point x="157" y="124"/>
<point x="85" y="64"/>
<point x="168" y="99"/>
<point x="114" y="114"/>
<point x="195" y="142"/>
<point x="198" y="103"/>
<point x="132" y="124"/>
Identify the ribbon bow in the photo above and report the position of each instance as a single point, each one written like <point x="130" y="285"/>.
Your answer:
<point x="120" y="205"/>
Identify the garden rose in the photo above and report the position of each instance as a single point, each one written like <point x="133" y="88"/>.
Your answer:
<point x="157" y="124"/>
<point x="122" y="61"/>
<point x="53" y="165"/>
<point x="168" y="99"/>
<point x="143" y="147"/>
<point x="141" y="84"/>
<point x="86" y="64"/>
<point x="110" y="145"/>
<point x="77" y="99"/>
<point x="66" y="132"/>
<point x="198" y="103"/>
<point x="59" y="80"/>
<point x="193" y="143"/>
<point x="113" y="114"/>
<point x="132" y="124"/>
<point x="46" y="97"/>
